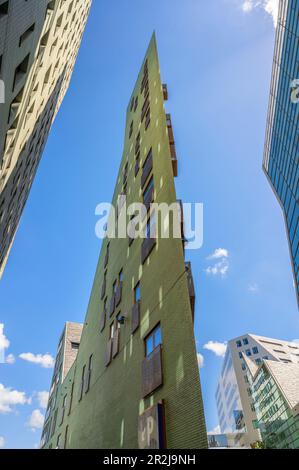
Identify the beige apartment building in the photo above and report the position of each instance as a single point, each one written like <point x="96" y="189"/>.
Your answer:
<point x="39" y="42"/>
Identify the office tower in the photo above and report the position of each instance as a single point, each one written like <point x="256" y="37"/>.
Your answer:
<point x="135" y="382"/>
<point x="39" y="42"/>
<point x="235" y="404"/>
<point x="281" y="147"/>
<point x="275" y="387"/>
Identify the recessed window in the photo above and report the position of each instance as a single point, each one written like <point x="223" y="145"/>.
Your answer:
<point x="248" y="352"/>
<point x="75" y="345"/>
<point x="239" y="344"/>
<point x="4" y="9"/>
<point x="20" y="71"/>
<point x="245" y="341"/>
<point x="255" y="350"/>
<point x="153" y="340"/>
<point x="137" y="295"/>
<point x="26" y="34"/>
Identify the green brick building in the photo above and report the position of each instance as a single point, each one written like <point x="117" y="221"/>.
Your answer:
<point x="134" y="380"/>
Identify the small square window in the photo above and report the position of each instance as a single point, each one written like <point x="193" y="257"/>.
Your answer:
<point x="245" y="341"/>
<point x="255" y="350"/>
<point x="248" y="352"/>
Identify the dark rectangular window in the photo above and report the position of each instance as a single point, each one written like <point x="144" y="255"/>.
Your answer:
<point x="4" y="9"/>
<point x="75" y="345"/>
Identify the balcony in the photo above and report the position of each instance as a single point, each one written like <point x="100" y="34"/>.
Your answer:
<point x="191" y="288"/>
<point x="135" y="317"/>
<point x="147" y="168"/>
<point x="103" y="291"/>
<point x="165" y="92"/>
<point x="108" y="353"/>
<point x="103" y="320"/>
<point x="152" y="376"/>
<point x="118" y="294"/>
<point x="146" y="248"/>
<point x="112" y="305"/>
<point x="173" y="155"/>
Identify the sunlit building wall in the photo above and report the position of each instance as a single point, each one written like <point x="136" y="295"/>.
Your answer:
<point x="39" y="42"/>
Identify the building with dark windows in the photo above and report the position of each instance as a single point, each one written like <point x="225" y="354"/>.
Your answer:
<point x="282" y="136"/>
<point x="39" y="43"/>
<point x="237" y="407"/>
<point x="135" y="380"/>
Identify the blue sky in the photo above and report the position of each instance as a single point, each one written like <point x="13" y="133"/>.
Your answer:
<point x="216" y="58"/>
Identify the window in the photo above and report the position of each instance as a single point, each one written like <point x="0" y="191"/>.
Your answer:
<point x="87" y="385"/>
<point x="111" y="333"/>
<point x="148" y="193"/>
<point x="26" y="34"/>
<point x="75" y="345"/>
<point x="153" y="340"/>
<point x="20" y="71"/>
<point x="245" y="341"/>
<point x="239" y="344"/>
<point x="58" y="444"/>
<point x="63" y="409"/>
<point x="258" y="361"/>
<point x="248" y="352"/>
<point x="151" y="226"/>
<point x="82" y="383"/>
<point x="240" y="355"/>
<point x="4" y="9"/>
<point x="137" y="293"/>
<point x="255" y="424"/>
<point x="243" y="366"/>
<point x="255" y="350"/>
<point x="246" y="378"/>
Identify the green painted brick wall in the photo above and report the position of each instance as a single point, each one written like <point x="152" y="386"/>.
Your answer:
<point x="107" y="416"/>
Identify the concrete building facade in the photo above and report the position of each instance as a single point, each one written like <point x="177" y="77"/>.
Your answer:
<point x="275" y="388"/>
<point x="234" y="395"/>
<point x="135" y="382"/>
<point x="281" y="152"/>
<point x="39" y="42"/>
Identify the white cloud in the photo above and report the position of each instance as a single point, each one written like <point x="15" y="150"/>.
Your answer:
<point x="10" y="398"/>
<point x="10" y="359"/>
<point x="216" y="430"/>
<point x="216" y="347"/>
<point x="218" y="269"/>
<point x="269" y="6"/>
<point x="247" y="6"/>
<point x="253" y="288"/>
<point x="43" y="398"/>
<point x="44" y="360"/>
<point x="200" y="360"/>
<point x="4" y="343"/>
<point x="36" y="420"/>
<point x="219" y="253"/>
<point x="2" y="442"/>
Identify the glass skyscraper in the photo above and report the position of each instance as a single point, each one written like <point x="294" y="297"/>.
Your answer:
<point x="282" y="140"/>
